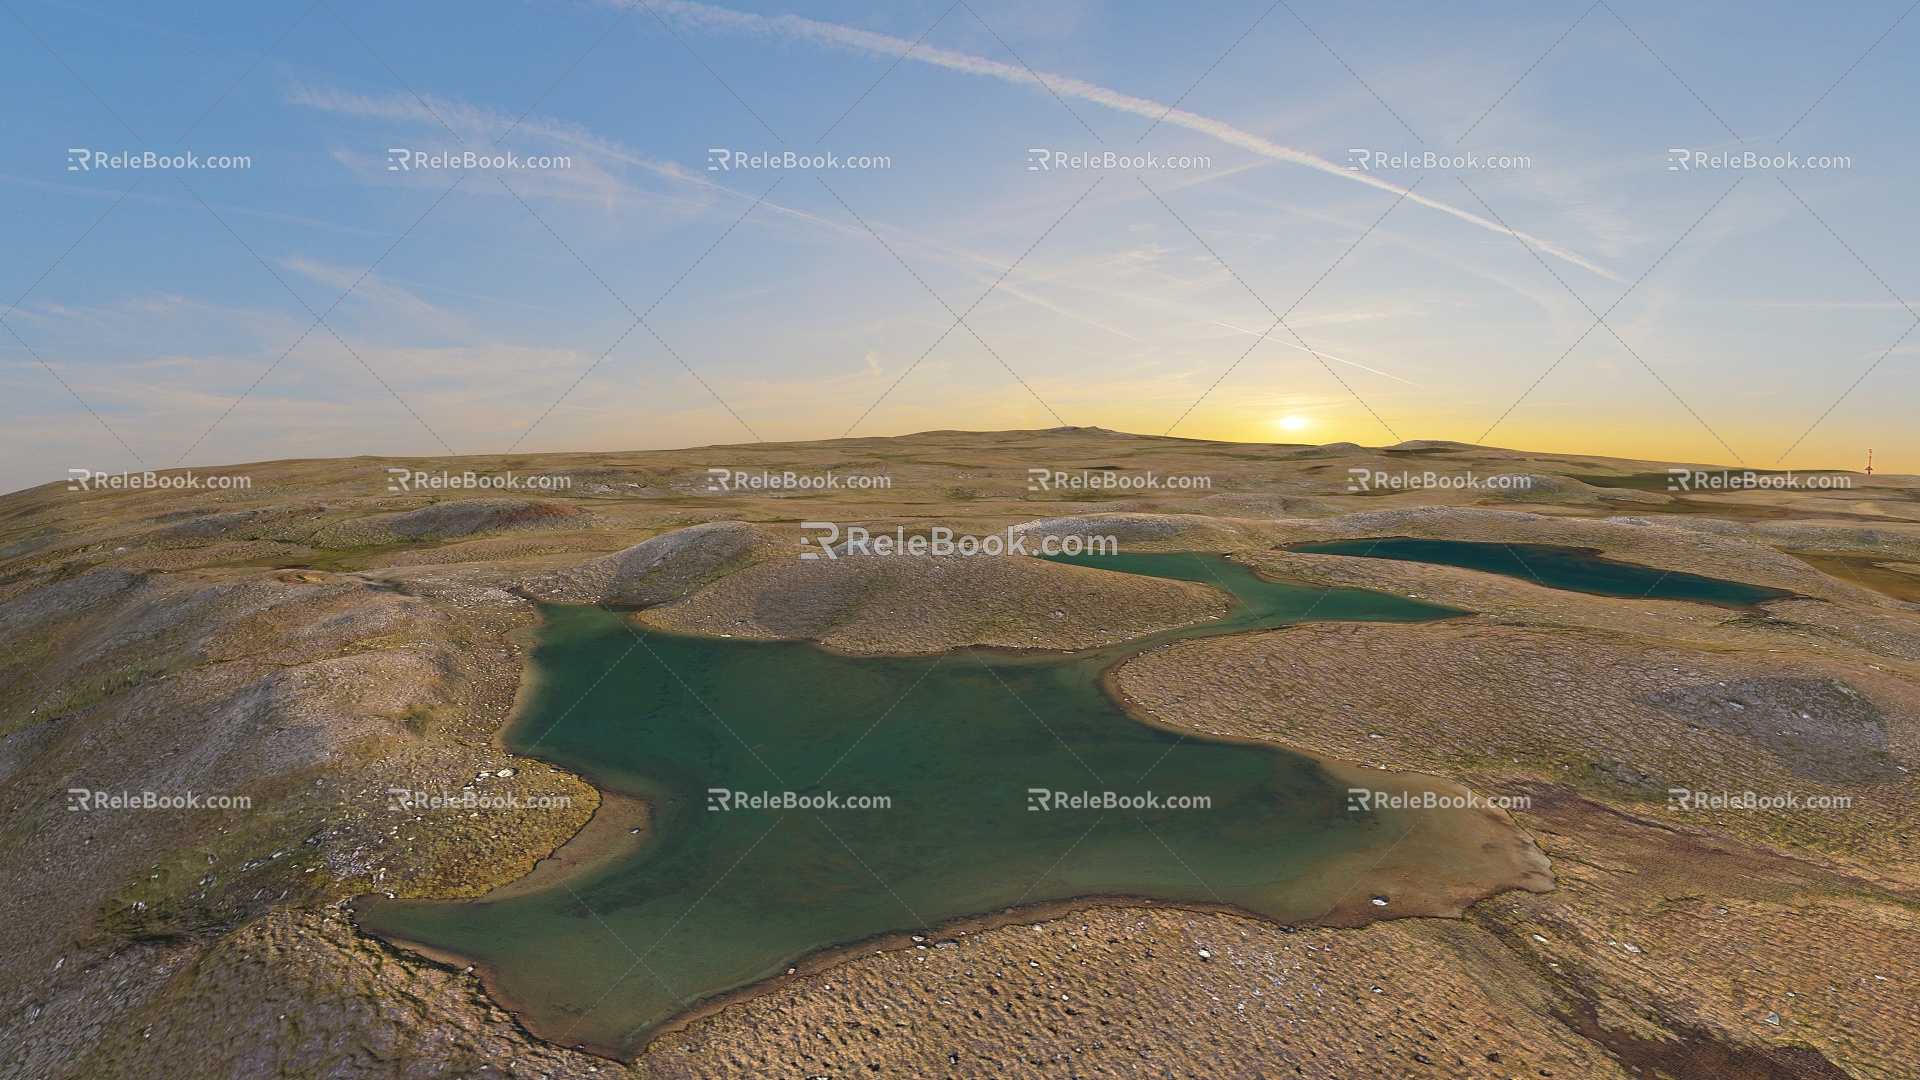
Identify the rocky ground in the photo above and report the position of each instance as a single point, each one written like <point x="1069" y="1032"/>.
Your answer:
<point x="318" y="642"/>
<point x="920" y="604"/>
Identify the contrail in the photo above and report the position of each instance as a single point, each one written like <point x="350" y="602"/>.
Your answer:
<point x="834" y="35"/>
<point x="1311" y="352"/>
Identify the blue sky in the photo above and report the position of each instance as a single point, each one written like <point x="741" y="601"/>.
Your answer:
<point x="1742" y="306"/>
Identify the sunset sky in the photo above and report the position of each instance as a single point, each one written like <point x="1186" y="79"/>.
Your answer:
<point x="639" y="298"/>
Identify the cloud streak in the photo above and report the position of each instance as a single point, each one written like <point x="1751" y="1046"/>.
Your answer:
<point x="1313" y="352"/>
<point x="585" y="176"/>
<point x="834" y="35"/>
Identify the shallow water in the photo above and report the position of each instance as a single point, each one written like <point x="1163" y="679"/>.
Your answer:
<point x="1574" y="569"/>
<point x="718" y="899"/>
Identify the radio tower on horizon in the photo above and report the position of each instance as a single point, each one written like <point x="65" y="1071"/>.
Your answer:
<point x="1869" y="462"/>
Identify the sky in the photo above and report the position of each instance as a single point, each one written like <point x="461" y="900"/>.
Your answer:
<point x="1321" y="222"/>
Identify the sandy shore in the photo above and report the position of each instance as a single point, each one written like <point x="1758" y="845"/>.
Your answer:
<point x="1442" y="860"/>
<point x="1428" y="863"/>
<point x="617" y="830"/>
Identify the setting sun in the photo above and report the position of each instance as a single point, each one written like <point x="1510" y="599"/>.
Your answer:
<point x="1292" y="423"/>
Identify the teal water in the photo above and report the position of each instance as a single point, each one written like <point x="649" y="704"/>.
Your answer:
<point x="718" y="899"/>
<point x="1572" y="568"/>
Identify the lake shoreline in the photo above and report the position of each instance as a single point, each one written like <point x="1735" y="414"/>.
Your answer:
<point x="825" y="960"/>
<point x="618" y="829"/>
<point x="1414" y="891"/>
<point x="1410" y="872"/>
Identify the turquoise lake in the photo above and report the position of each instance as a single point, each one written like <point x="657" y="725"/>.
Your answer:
<point x="717" y="899"/>
<point x="1572" y="568"/>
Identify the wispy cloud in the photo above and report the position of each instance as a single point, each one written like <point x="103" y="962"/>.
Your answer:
<point x="1315" y="352"/>
<point x="834" y="35"/>
<point x="689" y="193"/>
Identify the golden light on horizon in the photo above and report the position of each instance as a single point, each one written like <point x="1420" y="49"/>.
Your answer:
<point x="1292" y="423"/>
